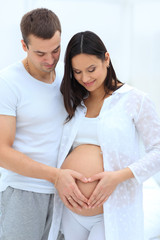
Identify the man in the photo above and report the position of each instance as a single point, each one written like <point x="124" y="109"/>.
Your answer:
<point x="31" y="119"/>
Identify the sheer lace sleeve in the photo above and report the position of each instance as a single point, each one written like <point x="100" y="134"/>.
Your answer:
<point x="148" y="126"/>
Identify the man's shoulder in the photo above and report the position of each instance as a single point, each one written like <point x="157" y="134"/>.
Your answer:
<point x="11" y="70"/>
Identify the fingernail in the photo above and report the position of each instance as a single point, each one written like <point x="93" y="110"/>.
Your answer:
<point x="89" y="179"/>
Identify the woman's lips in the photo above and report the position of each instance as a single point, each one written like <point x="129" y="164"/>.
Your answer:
<point x="89" y="84"/>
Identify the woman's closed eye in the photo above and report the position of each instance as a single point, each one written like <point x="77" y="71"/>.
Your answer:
<point x="91" y="69"/>
<point x="76" y="72"/>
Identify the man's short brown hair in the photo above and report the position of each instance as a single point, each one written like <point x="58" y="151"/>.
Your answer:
<point x="40" y="22"/>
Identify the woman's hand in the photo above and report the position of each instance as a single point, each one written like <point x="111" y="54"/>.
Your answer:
<point x="108" y="182"/>
<point x="68" y="189"/>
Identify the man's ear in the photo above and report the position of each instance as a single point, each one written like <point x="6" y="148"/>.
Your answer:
<point x="24" y="46"/>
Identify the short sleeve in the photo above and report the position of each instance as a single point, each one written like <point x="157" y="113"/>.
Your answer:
<point x="8" y="99"/>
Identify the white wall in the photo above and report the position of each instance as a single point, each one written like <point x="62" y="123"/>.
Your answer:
<point x="129" y="28"/>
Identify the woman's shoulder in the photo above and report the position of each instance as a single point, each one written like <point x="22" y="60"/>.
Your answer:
<point x="127" y="88"/>
<point x="131" y="93"/>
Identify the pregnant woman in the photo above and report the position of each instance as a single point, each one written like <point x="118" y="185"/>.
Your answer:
<point x="101" y="141"/>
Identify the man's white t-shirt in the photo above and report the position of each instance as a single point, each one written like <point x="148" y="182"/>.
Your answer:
<point x="39" y="111"/>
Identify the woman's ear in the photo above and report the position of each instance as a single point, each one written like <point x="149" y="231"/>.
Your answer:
<point x="107" y="59"/>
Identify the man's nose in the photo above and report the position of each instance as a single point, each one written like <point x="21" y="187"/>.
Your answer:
<point x="50" y="59"/>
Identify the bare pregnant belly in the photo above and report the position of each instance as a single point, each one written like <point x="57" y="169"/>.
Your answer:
<point x="88" y="160"/>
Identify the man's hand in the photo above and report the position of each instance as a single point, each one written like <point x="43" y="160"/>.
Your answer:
<point x="68" y="189"/>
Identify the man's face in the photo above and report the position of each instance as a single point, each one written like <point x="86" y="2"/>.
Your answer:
<point x="43" y="54"/>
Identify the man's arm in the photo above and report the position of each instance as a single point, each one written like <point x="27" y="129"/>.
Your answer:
<point x="20" y="163"/>
<point x="16" y="161"/>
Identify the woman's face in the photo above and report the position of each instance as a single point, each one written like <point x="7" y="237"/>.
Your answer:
<point x="90" y="71"/>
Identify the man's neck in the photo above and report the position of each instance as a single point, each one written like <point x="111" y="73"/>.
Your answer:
<point x="47" y="77"/>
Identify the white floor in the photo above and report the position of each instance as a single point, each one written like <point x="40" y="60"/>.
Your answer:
<point x="152" y="209"/>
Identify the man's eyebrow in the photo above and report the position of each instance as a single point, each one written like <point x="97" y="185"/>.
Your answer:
<point x="56" y="48"/>
<point x="37" y="51"/>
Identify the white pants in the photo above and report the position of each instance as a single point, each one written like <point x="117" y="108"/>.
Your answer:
<point x="79" y="227"/>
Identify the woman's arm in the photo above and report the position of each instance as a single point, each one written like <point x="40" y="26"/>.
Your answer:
<point x="147" y="123"/>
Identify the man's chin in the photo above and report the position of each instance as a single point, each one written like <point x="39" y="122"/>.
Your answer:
<point x="48" y="70"/>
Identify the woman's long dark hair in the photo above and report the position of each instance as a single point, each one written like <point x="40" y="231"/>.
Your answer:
<point x="73" y="93"/>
